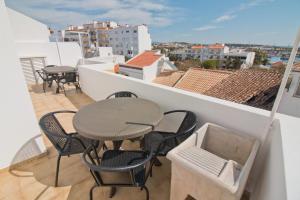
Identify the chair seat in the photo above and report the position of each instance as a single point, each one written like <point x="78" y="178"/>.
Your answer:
<point x="75" y="146"/>
<point x="154" y="138"/>
<point x="119" y="158"/>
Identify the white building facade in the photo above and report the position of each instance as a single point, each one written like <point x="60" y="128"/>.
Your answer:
<point x="247" y="58"/>
<point x="129" y="40"/>
<point x="202" y="52"/>
<point x="137" y="68"/>
<point x="290" y="102"/>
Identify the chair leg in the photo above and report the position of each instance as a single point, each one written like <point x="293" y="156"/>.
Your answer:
<point x="157" y="163"/>
<point x="63" y="87"/>
<point x="91" y="191"/>
<point x="78" y="86"/>
<point x="44" y="86"/>
<point x="57" y="170"/>
<point x="147" y="192"/>
<point x="113" y="191"/>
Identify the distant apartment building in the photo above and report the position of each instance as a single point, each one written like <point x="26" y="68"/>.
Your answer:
<point x="215" y="52"/>
<point x="124" y="39"/>
<point x="202" y="52"/>
<point x="129" y="40"/>
<point x="81" y="37"/>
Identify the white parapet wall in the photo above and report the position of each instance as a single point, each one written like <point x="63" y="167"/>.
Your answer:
<point x="19" y="131"/>
<point x="70" y="52"/>
<point x="98" y="84"/>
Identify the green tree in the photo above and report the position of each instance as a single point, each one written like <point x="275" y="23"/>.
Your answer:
<point x="210" y="64"/>
<point x="261" y="57"/>
<point x="184" y="65"/>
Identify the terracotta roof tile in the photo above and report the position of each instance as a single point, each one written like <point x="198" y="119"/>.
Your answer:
<point x="198" y="47"/>
<point x="169" y="78"/>
<point x="117" y="68"/>
<point x="242" y="85"/>
<point x="144" y="59"/>
<point x="216" y="46"/>
<point x="200" y="80"/>
<point x="296" y="67"/>
<point x="278" y="64"/>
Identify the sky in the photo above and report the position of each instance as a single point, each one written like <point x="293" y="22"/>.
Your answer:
<point x="273" y="22"/>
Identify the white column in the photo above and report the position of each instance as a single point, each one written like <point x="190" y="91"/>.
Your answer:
<point x="19" y="130"/>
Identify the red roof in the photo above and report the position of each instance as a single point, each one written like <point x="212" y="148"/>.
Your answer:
<point x="144" y="59"/>
<point x="198" y="47"/>
<point x="117" y="68"/>
<point x="216" y="46"/>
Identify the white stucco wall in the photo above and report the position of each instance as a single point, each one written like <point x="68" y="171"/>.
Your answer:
<point x="105" y="51"/>
<point x="19" y="131"/>
<point x="290" y="104"/>
<point x="144" y="39"/>
<point x="150" y="72"/>
<point x="271" y="183"/>
<point x="70" y="52"/>
<point x="26" y="29"/>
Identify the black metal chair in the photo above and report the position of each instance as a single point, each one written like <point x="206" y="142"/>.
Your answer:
<point x="69" y="78"/>
<point x="65" y="143"/>
<point x="135" y="163"/>
<point x="46" y="78"/>
<point x="122" y="94"/>
<point x="162" y="142"/>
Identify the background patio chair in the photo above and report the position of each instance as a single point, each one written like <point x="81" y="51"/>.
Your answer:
<point x="47" y="79"/>
<point x="66" y="144"/>
<point x="162" y="142"/>
<point x="69" y="78"/>
<point x="135" y="163"/>
<point x="122" y="94"/>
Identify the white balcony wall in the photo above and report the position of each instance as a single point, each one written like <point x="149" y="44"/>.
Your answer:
<point x="70" y="52"/>
<point x="19" y="131"/>
<point x="26" y="29"/>
<point x="99" y="84"/>
<point x="271" y="184"/>
<point x="290" y="103"/>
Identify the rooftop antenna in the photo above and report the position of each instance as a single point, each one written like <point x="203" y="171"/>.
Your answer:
<point x="57" y="47"/>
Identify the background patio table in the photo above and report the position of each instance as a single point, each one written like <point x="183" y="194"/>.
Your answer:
<point x="55" y="71"/>
<point x="113" y="119"/>
<point x="59" y="69"/>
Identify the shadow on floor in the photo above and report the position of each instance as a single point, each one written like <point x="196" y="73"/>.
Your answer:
<point x="75" y="180"/>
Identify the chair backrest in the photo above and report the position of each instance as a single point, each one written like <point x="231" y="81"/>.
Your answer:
<point x="70" y="77"/>
<point x="122" y="94"/>
<point x="187" y="125"/>
<point x="41" y="74"/>
<point x="54" y="131"/>
<point x="138" y="167"/>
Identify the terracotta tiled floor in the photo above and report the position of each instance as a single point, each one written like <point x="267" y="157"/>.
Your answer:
<point x="35" y="179"/>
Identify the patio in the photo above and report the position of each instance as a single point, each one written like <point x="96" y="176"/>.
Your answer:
<point x="35" y="179"/>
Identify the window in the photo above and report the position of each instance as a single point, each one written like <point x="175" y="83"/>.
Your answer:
<point x="127" y="31"/>
<point x="135" y="31"/>
<point x="297" y="92"/>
